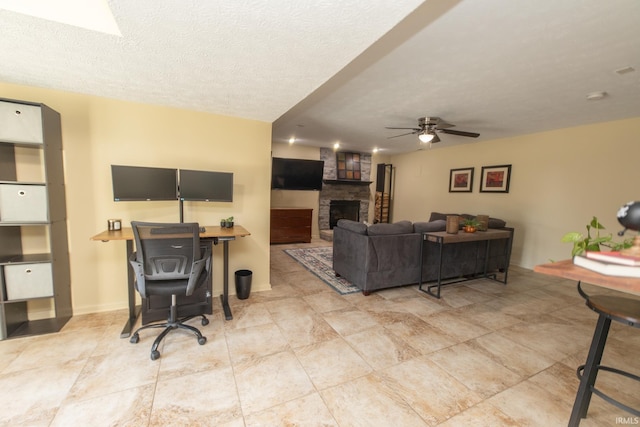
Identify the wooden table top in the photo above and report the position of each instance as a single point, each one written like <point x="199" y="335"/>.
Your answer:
<point x="126" y="233"/>
<point x="566" y="269"/>
<point x="462" y="236"/>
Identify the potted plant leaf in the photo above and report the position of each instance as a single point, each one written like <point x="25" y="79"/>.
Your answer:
<point x="582" y="243"/>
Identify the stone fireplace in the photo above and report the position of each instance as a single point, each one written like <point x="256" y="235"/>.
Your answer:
<point x="356" y="193"/>
<point x="343" y="209"/>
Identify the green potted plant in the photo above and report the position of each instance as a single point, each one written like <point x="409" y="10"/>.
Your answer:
<point x="582" y="243"/>
<point x="223" y="222"/>
<point x="229" y="222"/>
<point x="470" y="225"/>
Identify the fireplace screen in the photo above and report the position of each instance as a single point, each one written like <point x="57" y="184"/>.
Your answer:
<point x="343" y="209"/>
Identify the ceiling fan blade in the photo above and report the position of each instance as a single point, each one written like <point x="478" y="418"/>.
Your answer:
<point x="441" y="124"/>
<point x="414" y="129"/>
<point x="435" y="139"/>
<point x="459" y="133"/>
<point x="395" y="136"/>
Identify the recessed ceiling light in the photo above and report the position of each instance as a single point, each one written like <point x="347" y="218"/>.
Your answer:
<point x="596" y="96"/>
<point x="93" y="15"/>
<point x="292" y="140"/>
<point x="375" y="150"/>
<point x="336" y="145"/>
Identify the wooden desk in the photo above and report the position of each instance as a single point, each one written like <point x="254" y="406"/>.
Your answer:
<point x="214" y="233"/>
<point x="567" y="270"/>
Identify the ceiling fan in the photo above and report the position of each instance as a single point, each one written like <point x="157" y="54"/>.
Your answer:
<point x="427" y="128"/>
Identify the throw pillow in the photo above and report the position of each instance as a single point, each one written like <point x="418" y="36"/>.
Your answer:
<point x="435" y="216"/>
<point x="496" y="223"/>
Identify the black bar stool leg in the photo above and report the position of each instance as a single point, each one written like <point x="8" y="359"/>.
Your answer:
<point x="588" y="379"/>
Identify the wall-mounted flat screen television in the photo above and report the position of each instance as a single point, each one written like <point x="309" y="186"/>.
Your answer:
<point x="136" y="183"/>
<point x="296" y="174"/>
<point x="206" y="186"/>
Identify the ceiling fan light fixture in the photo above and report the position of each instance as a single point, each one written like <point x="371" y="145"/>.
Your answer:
<point x="425" y="137"/>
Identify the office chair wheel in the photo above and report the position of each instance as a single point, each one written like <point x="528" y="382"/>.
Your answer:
<point x="202" y="340"/>
<point x="134" y="338"/>
<point x="205" y="321"/>
<point x="155" y="354"/>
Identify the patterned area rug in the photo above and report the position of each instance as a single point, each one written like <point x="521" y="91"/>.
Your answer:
<point x="319" y="261"/>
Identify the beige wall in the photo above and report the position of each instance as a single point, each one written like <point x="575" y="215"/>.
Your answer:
<point x="559" y="181"/>
<point x="98" y="132"/>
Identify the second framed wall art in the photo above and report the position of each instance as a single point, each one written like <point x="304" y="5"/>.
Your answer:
<point x="495" y="179"/>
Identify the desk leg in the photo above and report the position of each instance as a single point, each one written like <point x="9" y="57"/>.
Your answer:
<point x="134" y="311"/>
<point x="224" y="298"/>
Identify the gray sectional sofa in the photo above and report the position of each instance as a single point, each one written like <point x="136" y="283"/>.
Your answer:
<point x="381" y="256"/>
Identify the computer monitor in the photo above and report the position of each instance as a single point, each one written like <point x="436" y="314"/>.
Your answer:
<point x="206" y="186"/>
<point x="136" y="183"/>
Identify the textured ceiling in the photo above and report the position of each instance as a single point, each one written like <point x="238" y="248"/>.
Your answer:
<point x="247" y="58"/>
<point x="327" y="71"/>
<point x="497" y="67"/>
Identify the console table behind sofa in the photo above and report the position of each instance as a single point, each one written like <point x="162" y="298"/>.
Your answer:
<point x="388" y="255"/>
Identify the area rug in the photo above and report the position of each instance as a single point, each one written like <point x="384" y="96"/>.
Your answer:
<point x="319" y="261"/>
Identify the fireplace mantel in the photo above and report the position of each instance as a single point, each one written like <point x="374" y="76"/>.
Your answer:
<point x="346" y="182"/>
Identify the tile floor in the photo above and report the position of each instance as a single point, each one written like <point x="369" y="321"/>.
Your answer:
<point x="303" y="355"/>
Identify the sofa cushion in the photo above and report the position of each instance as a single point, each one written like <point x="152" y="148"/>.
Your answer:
<point x="355" y="226"/>
<point x="437" y="225"/>
<point x="382" y="229"/>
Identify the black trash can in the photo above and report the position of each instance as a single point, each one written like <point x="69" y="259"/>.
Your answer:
<point x="243" y="283"/>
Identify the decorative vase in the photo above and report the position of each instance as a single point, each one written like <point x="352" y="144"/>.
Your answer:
<point x="483" y="221"/>
<point x="453" y="224"/>
<point x="469" y="229"/>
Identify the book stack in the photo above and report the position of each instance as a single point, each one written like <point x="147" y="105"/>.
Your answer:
<point x="609" y="263"/>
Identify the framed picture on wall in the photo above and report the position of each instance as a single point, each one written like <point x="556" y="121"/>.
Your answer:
<point x="348" y="166"/>
<point x="461" y="180"/>
<point x="495" y="179"/>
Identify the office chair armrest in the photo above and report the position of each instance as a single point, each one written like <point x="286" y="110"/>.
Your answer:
<point x="204" y="263"/>
<point x="138" y="271"/>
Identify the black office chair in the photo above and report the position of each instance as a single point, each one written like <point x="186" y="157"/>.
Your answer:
<point x="169" y="261"/>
